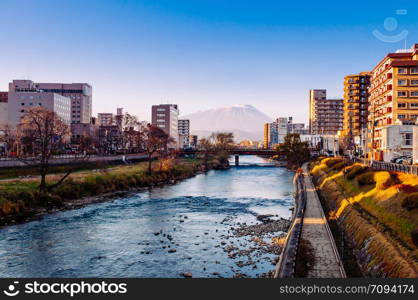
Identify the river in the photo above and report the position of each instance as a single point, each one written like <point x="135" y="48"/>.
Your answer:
<point x="162" y="232"/>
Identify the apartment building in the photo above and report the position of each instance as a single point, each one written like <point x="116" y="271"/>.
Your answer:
<point x="105" y="119"/>
<point x="4" y="96"/>
<point x="165" y="116"/>
<point x="393" y="97"/>
<point x="271" y="135"/>
<point x="80" y="95"/>
<point x="325" y="115"/>
<point x="20" y="101"/>
<point x="282" y="129"/>
<point x="184" y="133"/>
<point x="355" y="103"/>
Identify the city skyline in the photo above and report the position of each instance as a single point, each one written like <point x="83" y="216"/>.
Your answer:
<point x="199" y="56"/>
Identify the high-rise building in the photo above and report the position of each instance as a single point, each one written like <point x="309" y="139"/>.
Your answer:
<point x="325" y="115"/>
<point x="80" y="95"/>
<point x="165" y="116"/>
<point x="393" y="96"/>
<point x="105" y="119"/>
<point x="184" y="133"/>
<point x="4" y="96"/>
<point x="282" y="129"/>
<point x="271" y="135"/>
<point x="355" y="103"/>
<point x="24" y="94"/>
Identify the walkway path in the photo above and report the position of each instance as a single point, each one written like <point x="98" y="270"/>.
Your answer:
<point x="316" y="230"/>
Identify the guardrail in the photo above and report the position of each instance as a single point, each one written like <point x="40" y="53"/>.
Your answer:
<point x="380" y="165"/>
<point x="287" y="263"/>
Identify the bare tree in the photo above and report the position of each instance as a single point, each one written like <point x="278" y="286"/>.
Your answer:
<point x="219" y="143"/>
<point x="206" y="146"/>
<point x="224" y="141"/>
<point x="40" y="135"/>
<point x="155" y="143"/>
<point x="7" y="139"/>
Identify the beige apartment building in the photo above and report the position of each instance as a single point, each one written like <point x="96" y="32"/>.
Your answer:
<point x="80" y="95"/>
<point x="325" y="115"/>
<point x="355" y="103"/>
<point x="393" y="98"/>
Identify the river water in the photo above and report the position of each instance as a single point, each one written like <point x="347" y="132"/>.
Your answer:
<point x="132" y="236"/>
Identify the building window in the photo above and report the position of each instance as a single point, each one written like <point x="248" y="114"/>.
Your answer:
<point x="401" y="116"/>
<point x="414" y="70"/>
<point x="160" y="109"/>
<point x="402" y="93"/>
<point x="401" y="105"/>
<point x="414" y="105"/>
<point x="407" y="137"/>
<point x="414" y="82"/>
<point x="402" y="82"/>
<point x="402" y="70"/>
<point x="414" y="94"/>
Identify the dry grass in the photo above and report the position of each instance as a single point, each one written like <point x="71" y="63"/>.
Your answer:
<point x="372" y="208"/>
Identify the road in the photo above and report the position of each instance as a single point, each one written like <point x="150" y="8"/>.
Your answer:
<point x="316" y="230"/>
<point x="68" y="159"/>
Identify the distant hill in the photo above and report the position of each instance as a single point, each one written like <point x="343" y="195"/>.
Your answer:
<point x="245" y="121"/>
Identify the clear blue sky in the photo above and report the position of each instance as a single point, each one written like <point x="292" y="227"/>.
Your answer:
<point x="198" y="54"/>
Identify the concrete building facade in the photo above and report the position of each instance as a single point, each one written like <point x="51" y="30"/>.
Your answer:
<point x="184" y="133"/>
<point x="325" y="115"/>
<point x="393" y="96"/>
<point x="355" y="103"/>
<point x="396" y="140"/>
<point x="20" y="101"/>
<point x="80" y="95"/>
<point x="105" y="119"/>
<point x="271" y="135"/>
<point x="4" y="96"/>
<point x="165" y="116"/>
<point x="282" y="129"/>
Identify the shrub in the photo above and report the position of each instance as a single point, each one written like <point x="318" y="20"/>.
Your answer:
<point x="383" y="180"/>
<point x="8" y="207"/>
<point x="406" y="188"/>
<point x="366" y="179"/>
<point x="414" y="237"/>
<point x="329" y="162"/>
<point x="338" y="166"/>
<point x="355" y="170"/>
<point x="410" y="202"/>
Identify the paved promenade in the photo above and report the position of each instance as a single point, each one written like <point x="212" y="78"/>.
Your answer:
<point x="315" y="229"/>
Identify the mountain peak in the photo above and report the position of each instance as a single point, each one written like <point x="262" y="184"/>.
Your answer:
<point x="237" y="118"/>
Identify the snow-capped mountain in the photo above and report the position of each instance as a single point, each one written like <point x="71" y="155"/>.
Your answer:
<point x="245" y="121"/>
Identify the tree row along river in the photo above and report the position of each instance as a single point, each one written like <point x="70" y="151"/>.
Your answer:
<point x="199" y="226"/>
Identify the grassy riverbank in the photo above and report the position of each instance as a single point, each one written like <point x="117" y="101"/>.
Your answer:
<point x="20" y="198"/>
<point x="377" y="210"/>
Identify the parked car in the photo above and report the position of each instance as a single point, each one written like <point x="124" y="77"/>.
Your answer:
<point x="402" y="160"/>
<point x="407" y="161"/>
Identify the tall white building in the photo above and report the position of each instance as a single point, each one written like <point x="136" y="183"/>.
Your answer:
<point x="184" y="133"/>
<point x="282" y="129"/>
<point x="165" y="116"/>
